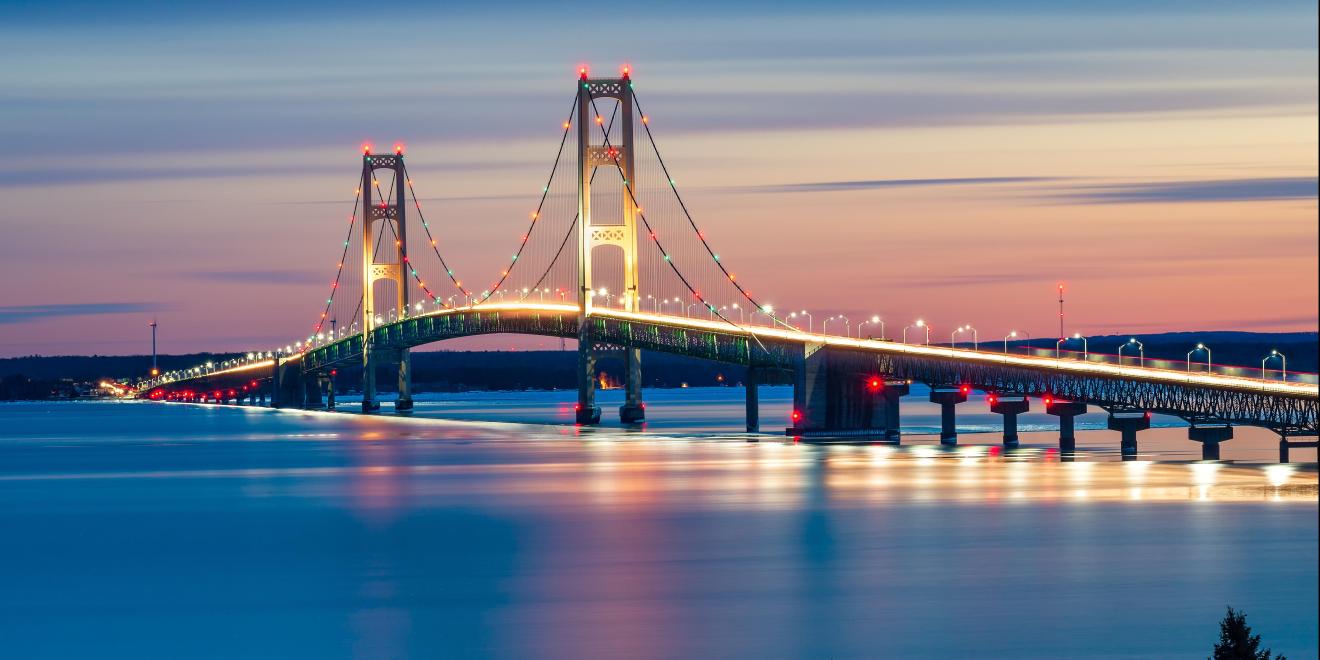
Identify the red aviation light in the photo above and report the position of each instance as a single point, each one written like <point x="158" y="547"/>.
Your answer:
<point x="992" y="398"/>
<point x="797" y="415"/>
<point x="1049" y="400"/>
<point x="398" y="149"/>
<point x="875" y="384"/>
<point x="626" y="70"/>
<point x="966" y="388"/>
<point x="366" y="148"/>
<point x="582" y="72"/>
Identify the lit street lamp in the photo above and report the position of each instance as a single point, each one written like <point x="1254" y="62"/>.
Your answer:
<point x="1200" y="347"/>
<point x="976" y="339"/>
<point x="811" y="322"/>
<point x="919" y="324"/>
<point x="847" y="324"/>
<point x="1283" y="363"/>
<point x="1085" y="349"/>
<point x="874" y="320"/>
<point x="1141" y="348"/>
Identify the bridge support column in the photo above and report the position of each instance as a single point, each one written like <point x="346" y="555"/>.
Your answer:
<point x="892" y="392"/>
<point x="369" y="402"/>
<point x="633" y="410"/>
<point x="1128" y="423"/>
<point x="311" y="392"/>
<point x="1066" y="411"/>
<point x="948" y="397"/>
<point x="751" y="383"/>
<point x="405" y="401"/>
<point x="1010" y="408"/>
<point x="330" y="392"/>
<point x="586" y="411"/>
<point x="1285" y="444"/>
<point x="1210" y="437"/>
<point x="831" y="395"/>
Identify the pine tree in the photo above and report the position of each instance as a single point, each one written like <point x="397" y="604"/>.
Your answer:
<point x="1236" y="641"/>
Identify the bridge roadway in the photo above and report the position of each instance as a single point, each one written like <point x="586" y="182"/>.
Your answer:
<point x="831" y="373"/>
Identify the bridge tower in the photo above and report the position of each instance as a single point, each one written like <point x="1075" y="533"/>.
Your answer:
<point x="592" y="236"/>
<point x="388" y="262"/>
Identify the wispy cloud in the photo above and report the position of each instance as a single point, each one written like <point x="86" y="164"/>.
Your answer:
<point x="12" y="314"/>
<point x="838" y="186"/>
<point x="256" y="276"/>
<point x="1217" y="190"/>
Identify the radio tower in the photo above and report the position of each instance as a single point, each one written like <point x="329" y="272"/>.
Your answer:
<point x="154" y="370"/>
<point x="1061" y="335"/>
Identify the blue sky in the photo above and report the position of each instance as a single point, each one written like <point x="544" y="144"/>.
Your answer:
<point x="190" y="151"/>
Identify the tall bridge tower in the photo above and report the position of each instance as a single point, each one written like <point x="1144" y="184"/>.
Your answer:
<point x="592" y="236"/>
<point x="383" y="260"/>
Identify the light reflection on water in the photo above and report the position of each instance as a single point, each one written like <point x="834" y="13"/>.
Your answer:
<point x="149" y="530"/>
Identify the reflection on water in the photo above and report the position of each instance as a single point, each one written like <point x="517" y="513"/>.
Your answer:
<point x="147" y="530"/>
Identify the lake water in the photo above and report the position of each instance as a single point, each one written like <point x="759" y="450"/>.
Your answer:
<point x="141" y="530"/>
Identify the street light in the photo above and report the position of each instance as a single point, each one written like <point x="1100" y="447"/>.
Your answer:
<point x="1200" y="347"/>
<point x="919" y="324"/>
<point x="1283" y="360"/>
<point x="976" y="339"/>
<point x="811" y="322"/>
<point x="687" y="311"/>
<point x="847" y="324"/>
<point x="1140" y="347"/>
<point x="1059" y="344"/>
<point x="768" y="311"/>
<point x="874" y="320"/>
<point x="1011" y="334"/>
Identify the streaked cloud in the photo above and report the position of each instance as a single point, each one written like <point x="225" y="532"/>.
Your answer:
<point x="12" y="314"/>
<point x="1214" y="190"/>
<point x="254" y="276"/>
<point x="839" y="186"/>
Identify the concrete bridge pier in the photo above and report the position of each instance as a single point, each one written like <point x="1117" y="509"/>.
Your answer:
<point x="1066" y="411"/>
<point x="287" y="385"/>
<point x="1128" y="423"/>
<point x="892" y="392"/>
<point x="1210" y="437"/>
<point x="948" y="397"/>
<point x="633" y="410"/>
<point x="751" y="383"/>
<point x="586" y="411"/>
<point x="1010" y="407"/>
<point x="405" y="401"/>
<point x="369" y="402"/>
<point x="330" y="392"/>
<point x="832" y="395"/>
<point x="311" y="392"/>
<point x="1285" y="444"/>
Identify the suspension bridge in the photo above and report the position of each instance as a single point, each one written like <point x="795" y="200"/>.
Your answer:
<point x="612" y="257"/>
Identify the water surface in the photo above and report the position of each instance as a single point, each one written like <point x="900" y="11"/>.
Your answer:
<point x="153" y="530"/>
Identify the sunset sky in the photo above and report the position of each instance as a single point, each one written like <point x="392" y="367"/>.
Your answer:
<point x="949" y="163"/>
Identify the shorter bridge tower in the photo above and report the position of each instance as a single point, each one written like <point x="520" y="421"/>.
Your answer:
<point x="592" y="236"/>
<point x="388" y="261"/>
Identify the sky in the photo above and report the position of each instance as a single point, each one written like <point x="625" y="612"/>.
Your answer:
<point x="945" y="161"/>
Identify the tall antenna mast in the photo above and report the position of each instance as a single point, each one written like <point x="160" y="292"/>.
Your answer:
<point x="1061" y="335"/>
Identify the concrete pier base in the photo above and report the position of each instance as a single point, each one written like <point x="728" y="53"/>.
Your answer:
<point x="1128" y="423"/>
<point x="1285" y="444"/>
<point x="633" y="410"/>
<point x="948" y="397"/>
<point x="1210" y="437"/>
<point x="1065" y="411"/>
<point x="751" y="386"/>
<point x="1010" y="407"/>
<point x="892" y="392"/>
